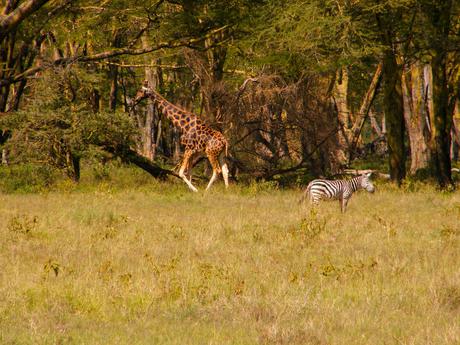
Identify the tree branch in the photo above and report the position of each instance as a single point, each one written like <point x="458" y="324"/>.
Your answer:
<point x="110" y="54"/>
<point x="13" y="19"/>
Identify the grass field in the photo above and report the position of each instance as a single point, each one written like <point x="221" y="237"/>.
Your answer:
<point x="160" y="265"/>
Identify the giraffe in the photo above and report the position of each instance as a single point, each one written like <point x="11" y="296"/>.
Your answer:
<point x="197" y="137"/>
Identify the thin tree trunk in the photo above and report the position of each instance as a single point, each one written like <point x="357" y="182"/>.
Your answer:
<point x="455" y="146"/>
<point x="364" y="109"/>
<point x="113" y="73"/>
<point x="375" y="125"/>
<point x="349" y="133"/>
<point x="394" y="116"/>
<point x="340" y="92"/>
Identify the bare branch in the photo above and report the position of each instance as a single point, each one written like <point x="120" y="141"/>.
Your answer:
<point x="366" y="171"/>
<point x="109" y="54"/>
<point x="123" y="65"/>
<point x="13" y="19"/>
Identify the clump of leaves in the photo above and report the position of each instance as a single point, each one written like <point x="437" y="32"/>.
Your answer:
<point x="450" y="297"/>
<point x="26" y="178"/>
<point x="387" y="225"/>
<point x="52" y="266"/>
<point x="112" y="226"/>
<point x="313" y="225"/>
<point x="106" y="270"/>
<point x="23" y="224"/>
<point x="449" y="232"/>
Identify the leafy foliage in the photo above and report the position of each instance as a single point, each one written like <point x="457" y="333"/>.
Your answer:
<point x="57" y="128"/>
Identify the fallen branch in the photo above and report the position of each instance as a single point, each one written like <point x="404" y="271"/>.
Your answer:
<point x="131" y="156"/>
<point x="366" y="171"/>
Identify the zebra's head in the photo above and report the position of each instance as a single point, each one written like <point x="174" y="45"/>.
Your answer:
<point x="366" y="183"/>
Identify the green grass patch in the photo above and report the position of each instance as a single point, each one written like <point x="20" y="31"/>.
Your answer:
<point x="154" y="263"/>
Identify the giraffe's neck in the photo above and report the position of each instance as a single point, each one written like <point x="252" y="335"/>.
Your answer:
<point x="179" y="117"/>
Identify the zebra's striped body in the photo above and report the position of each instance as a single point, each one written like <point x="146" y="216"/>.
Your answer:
<point x="341" y="190"/>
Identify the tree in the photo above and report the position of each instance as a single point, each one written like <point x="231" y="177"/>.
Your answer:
<point x="415" y="90"/>
<point x="439" y="16"/>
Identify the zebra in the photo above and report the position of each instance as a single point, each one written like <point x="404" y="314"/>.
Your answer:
<point x="341" y="190"/>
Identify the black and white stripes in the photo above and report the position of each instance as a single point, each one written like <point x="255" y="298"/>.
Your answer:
<point x="341" y="190"/>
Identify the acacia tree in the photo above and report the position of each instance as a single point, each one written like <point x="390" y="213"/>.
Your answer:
<point x="392" y="94"/>
<point x="439" y="19"/>
<point x="84" y="36"/>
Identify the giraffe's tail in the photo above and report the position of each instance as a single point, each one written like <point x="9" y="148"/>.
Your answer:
<point x="226" y="148"/>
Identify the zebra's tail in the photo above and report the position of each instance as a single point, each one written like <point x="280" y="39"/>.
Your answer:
<point x="305" y="194"/>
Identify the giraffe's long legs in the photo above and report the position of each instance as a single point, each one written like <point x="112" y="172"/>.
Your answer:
<point x="224" y="166"/>
<point x="185" y="164"/>
<point x="188" y="170"/>
<point x="215" y="168"/>
<point x="211" y="181"/>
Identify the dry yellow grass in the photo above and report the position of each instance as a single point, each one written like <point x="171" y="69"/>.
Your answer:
<point x="160" y="265"/>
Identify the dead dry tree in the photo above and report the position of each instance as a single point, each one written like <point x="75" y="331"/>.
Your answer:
<point x="283" y="126"/>
<point x="274" y="126"/>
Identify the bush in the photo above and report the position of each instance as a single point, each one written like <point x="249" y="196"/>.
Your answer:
<point x="26" y="178"/>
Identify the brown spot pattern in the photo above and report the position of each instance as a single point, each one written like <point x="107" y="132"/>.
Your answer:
<point x="196" y="136"/>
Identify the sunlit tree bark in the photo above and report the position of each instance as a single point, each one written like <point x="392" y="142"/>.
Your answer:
<point x="415" y="116"/>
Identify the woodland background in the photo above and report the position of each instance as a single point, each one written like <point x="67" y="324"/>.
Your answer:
<point x="300" y="88"/>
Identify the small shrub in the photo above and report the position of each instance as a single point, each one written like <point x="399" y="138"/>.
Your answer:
<point x="310" y="227"/>
<point x="449" y="232"/>
<point x="255" y="188"/>
<point x="26" y="178"/>
<point x="450" y="297"/>
<point x="387" y="225"/>
<point x="106" y="270"/>
<point x="52" y="266"/>
<point x="101" y="172"/>
<point x="22" y="224"/>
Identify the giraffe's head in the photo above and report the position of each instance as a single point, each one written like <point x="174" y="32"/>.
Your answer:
<point x="366" y="182"/>
<point x="144" y="92"/>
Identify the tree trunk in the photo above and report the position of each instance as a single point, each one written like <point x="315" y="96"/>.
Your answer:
<point x="415" y="116"/>
<point x="145" y="164"/>
<point x="394" y="116"/>
<point x="113" y="75"/>
<point x="456" y="132"/>
<point x="113" y="72"/>
<point x="76" y="168"/>
<point x="375" y="125"/>
<point x="441" y="125"/>
<point x="364" y="109"/>
<point x="441" y="118"/>
<point x="154" y="77"/>
<point x="340" y="92"/>
<point x="350" y="125"/>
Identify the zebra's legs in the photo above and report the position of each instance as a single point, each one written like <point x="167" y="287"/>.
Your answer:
<point x="343" y="204"/>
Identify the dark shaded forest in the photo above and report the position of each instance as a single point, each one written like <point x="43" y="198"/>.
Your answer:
<point x="299" y="88"/>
